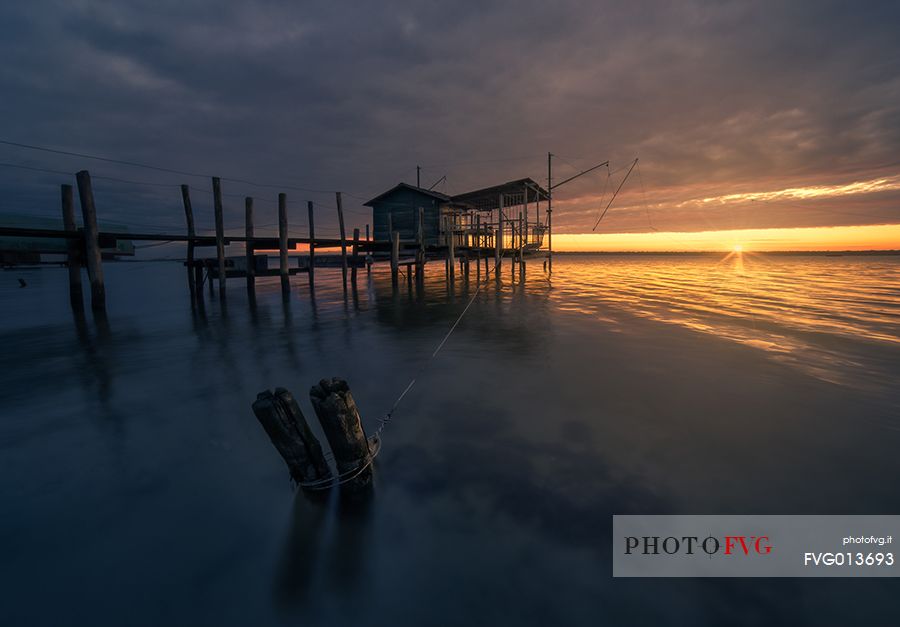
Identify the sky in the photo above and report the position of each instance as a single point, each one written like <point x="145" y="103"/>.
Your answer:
<point x="781" y="117"/>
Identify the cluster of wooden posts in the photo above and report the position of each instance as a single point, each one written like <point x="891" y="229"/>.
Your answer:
<point x="283" y="420"/>
<point x="460" y="244"/>
<point x="84" y="246"/>
<point x="480" y="243"/>
<point x="252" y="244"/>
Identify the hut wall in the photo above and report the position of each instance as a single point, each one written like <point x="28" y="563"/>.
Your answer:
<point x="403" y="205"/>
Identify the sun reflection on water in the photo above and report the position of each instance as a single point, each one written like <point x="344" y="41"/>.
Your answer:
<point x="836" y="318"/>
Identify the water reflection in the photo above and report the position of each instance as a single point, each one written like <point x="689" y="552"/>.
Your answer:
<point x="836" y="319"/>
<point x="556" y="403"/>
<point x="326" y="545"/>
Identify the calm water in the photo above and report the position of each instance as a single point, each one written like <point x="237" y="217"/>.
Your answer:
<point x="138" y="488"/>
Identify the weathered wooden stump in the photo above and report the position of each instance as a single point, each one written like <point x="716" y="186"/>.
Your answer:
<point x="339" y="417"/>
<point x="286" y="426"/>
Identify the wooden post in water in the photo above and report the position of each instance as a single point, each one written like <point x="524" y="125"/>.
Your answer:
<point x="443" y="229"/>
<point x="451" y="253"/>
<point x="73" y="255"/>
<point x="250" y="248"/>
<point x="521" y="237"/>
<point x="94" y="258"/>
<point x="525" y="209"/>
<point x="478" y="247"/>
<point x="498" y="238"/>
<point x="549" y="212"/>
<point x="368" y="258"/>
<point x="198" y="282"/>
<point x="395" y="256"/>
<point x="339" y="417"/>
<point x="420" y="236"/>
<point x="355" y="253"/>
<point x="343" y="233"/>
<point x="280" y="415"/>
<point x="283" y="244"/>
<point x="312" y="244"/>
<point x="220" y="234"/>
<point x="189" y="218"/>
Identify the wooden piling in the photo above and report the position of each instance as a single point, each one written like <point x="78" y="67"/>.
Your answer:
<point x="249" y="248"/>
<point x="451" y="253"/>
<point x="93" y="256"/>
<point x="198" y="282"/>
<point x="525" y="231"/>
<point x="443" y="229"/>
<point x="283" y="244"/>
<point x="355" y="252"/>
<point x="521" y="237"/>
<point x="189" y="219"/>
<point x="339" y="417"/>
<point x="280" y="415"/>
<point x="73" y="254"/>
<point x="340" y="212"/>
<point x="369" y="258"/>
<point x="220" y="233"/>
<point x="549" y="212"/>
<point x="312" y="244"/>
<point x="420" y="237"/>
<point x="395" y="256"/>
<point x="498" y="238"/>
<point x="478" y="247"/>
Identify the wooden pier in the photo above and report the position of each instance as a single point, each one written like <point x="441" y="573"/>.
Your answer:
<point x="460" y="243"/>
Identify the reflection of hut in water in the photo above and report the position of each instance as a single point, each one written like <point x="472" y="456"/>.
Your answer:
<point x="514" y="211"/>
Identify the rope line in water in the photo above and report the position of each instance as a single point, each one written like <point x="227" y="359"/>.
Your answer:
<point x="382" y="422"/>
<point x="322" y="484"/>
<point x="344" y="477"/>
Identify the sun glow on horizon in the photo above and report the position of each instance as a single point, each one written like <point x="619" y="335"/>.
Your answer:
<point x="867" y="237"/>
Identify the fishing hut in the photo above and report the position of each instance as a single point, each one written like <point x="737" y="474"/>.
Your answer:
<point x="511" y="215"/>
<point x="412" y="226"/>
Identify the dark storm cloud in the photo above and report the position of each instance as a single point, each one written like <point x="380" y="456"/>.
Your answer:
<point x="715" y="98"/>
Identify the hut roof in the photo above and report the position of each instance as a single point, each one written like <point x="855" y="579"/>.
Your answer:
<point x="488" y="198"/>
<point x="426" y="192"/>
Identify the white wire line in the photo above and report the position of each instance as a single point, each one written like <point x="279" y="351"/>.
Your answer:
<point x="349" y="475"/>
<point x="430" y="166"/>
<point x="136" y="164"/>
<point x="618" y="189"/>
<point x="163" y="228"/>
<point x="644" y="197"/>
<point x="382" y="422"/>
